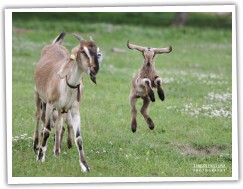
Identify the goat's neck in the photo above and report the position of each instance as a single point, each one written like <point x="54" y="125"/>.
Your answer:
<point x="76" y="75"/>
<point x="147" y="70"/>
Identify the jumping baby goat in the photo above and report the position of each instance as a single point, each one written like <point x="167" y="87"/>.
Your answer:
<point x="57" y="83"/>
<point x="143" y="83"/>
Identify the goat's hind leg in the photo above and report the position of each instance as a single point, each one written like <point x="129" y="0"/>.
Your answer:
<point x="133" y="100"/>
<point x="37" y="119"/>
<point x="68" y="121"/>
<point x="45" y="133"/>
<point x="59" y="131"/>
<point x="144" y="112"/>
<point x="158" y="82"/>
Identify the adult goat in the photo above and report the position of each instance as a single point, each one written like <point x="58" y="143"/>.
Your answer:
<point x="58" y="84"/>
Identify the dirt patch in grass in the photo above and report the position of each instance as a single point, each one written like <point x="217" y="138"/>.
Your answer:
<point x="193" y="150"/>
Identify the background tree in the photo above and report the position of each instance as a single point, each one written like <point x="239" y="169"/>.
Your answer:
<point x="180" y="19"/>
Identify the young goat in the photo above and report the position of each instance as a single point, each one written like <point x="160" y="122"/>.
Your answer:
<point x="143" y="83"/>
<point x="57" y="83"/>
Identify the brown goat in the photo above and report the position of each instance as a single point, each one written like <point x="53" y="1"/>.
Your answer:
<point x="58" y="84"/>
<point x="143" y="83"/>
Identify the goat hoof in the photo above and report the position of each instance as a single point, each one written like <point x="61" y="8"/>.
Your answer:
<point x="57" y="152"/>
<point x="40" y="155"/>
<point x="134" y="129"/>
<point x="150" y="123"/>
<point x="70" y="144"/>
<point x="134" y="125"/>
<point x="151" y="127"/>
<point x="161" y="94"/>
<point x="84" y="166"/>
<point x="151" y="96"/>
<point x="35" y="145"/>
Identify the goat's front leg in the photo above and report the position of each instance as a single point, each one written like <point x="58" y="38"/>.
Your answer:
<point x="78" y="140"/>
<point x="133" y="100"/>
<point x="144" y="112"/>
<point x="158" y="83"/>
<point x="145" y="82"/>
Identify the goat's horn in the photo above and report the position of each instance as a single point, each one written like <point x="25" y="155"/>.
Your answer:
<point x="132" y="46"/>
<point x="90" y="37"/>
<point x="78" y="37"/>
<point x="163" y="50"/>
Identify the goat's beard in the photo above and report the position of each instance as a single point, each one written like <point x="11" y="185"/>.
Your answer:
<point x="92" y="77"/>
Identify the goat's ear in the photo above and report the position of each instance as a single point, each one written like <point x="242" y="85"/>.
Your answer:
<point x="75" y="50"/>
<point x="163" y="50"/>
<point x="65" y="69"/>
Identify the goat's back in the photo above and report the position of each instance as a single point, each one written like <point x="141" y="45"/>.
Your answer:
<point x="53" y="57"/>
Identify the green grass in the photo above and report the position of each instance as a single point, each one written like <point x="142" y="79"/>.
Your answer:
<point x="195" y="116"/>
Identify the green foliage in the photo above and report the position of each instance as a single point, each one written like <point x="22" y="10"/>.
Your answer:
<point x="192" y="125"/>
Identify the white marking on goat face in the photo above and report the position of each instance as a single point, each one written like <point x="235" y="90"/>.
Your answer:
<point x="86" y="50"/>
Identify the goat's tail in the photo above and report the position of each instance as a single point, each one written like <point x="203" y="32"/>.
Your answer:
<point x="59" y="38"/>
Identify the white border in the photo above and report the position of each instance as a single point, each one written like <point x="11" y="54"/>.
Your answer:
<point x="8" y="45"/>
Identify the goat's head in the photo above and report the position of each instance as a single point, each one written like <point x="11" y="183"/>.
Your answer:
<point x="88" y="56"/>
<point x="149" y="53"/>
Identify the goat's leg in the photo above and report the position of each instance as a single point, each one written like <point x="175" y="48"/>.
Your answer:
<point x="46" y="132"/>
<point x="58" y="126"/>
<point x="147" y="84"/>
<point x="158" y="82"/>
<point x="144" y="112"/>
<point x="43" y="116"/>
<point x="68" y="121"/>
<point x="37" y="119"/>
<point x="133" y="100"/>
<point x="78" y="140"/>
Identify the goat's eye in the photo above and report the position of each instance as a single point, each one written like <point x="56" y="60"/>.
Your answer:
<point x="86" y="56"/>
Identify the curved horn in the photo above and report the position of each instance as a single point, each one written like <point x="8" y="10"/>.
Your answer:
<point x="132" y="46"/>
<point x="163" y="50"/>
<point x="78" y="37"/>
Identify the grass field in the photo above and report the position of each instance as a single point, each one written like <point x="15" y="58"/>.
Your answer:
<point x="193" y="126"/>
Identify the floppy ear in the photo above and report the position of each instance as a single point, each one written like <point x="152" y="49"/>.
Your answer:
<point x="65" y="69"/>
